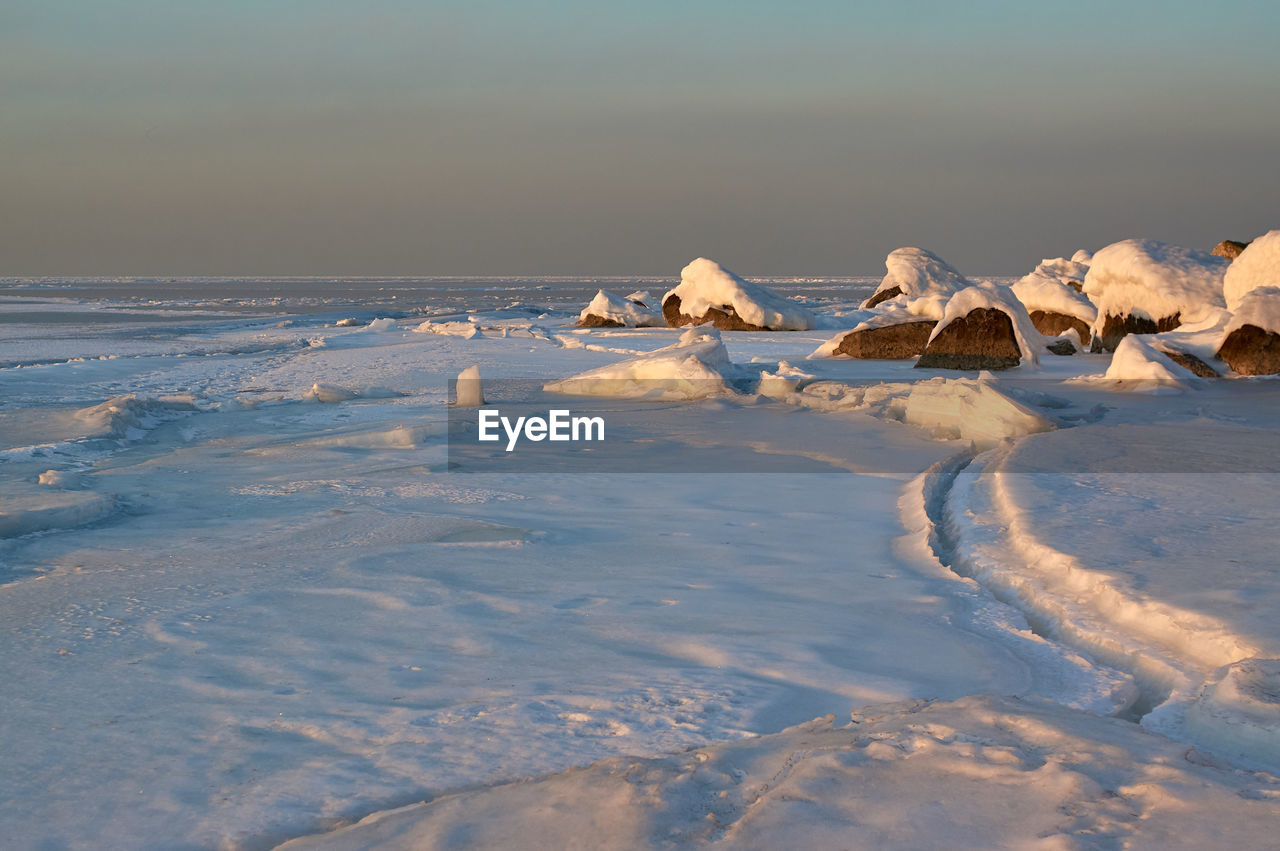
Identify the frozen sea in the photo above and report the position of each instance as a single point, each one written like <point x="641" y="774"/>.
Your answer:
<point x="234" y="615"/>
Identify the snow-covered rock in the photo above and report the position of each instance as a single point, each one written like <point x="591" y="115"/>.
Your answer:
<point x="1070" y="273"/>
<point x="1251" y="343"/>
<point x="607" y="310"/>
<point x="696" y="365"/>
<point x="1141" y="286"/>
<point x="982" y="327"/>
<point x="1051" y="295"/>
<point x="891" y="331"/>
<point x="708" y="292"/>
<point x="1255" y="266"/>
<point x="919" y="275"/>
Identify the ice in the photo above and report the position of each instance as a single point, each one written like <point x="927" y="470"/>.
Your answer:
<point x="696" y="365"/>
<point x="1155" y="280"/>
<point x="26" y="510"/>
<point x="706" y="284"/>
<point x="465" y="330"/>
<point x="470" y="394"/>
<point x="972" y="410"/>
<point x="1238" y="713"/>
<point x="1257" y="266"/>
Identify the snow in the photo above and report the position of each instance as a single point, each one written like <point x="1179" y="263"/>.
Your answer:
<point x="1155" y="280"/>
<point x="238" y="617"/>
<point x="981" y="772"/>
<point x="1069" y="273"/>
<point x="1257" y="266"/>
<point x="1046" y="289"/>
<point x="695" y="365"/>
<point x="1142" y="366"/>
<point x="624" y="311"/>
<point x="992" y="297"/>
<point x="921" y="274"/>
<point x="1143" y="591"/>
<point x="1259" y="307"/>
<point x="705" y="284"/>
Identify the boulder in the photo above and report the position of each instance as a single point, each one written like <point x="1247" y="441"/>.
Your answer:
<point x="725" y="317"/>
<point x="982" y="327"/>
<point x="1052" y="295"/>
<point x="981" y="339"/>
<point x="1141" y="286"/>
<point x="1062" y="347"/>
<point x="1116" y="328"/>
<point x="1186" y="360"/>
<point x="904" y="340"/>
<point x="1229" y="249"/>
<point x="1051" y="324"/>
<point x="1250" y="350"/>
<point x="708" y="292"/>
<point x="1251" y="345"/>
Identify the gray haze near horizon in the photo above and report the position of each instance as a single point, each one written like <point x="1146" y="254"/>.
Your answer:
<point x="311" y="137"/>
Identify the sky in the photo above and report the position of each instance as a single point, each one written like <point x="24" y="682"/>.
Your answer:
<point x="390" y="137"/>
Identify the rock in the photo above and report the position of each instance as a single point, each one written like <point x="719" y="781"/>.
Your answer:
<point x="590" y="320"/>
<point x="981" y="339"/>
<point x="1250" y="350"/>
<point x="1062" y="347"/>
<point x="1186" y="360"/>
<point x="724" y="317"/>
<point x="905" y="340"/>
<point x="1116" y="328"/>
<point x="1229" y="249"/>
<point x="1051" y="324"/>
<point x="882" y="295"/>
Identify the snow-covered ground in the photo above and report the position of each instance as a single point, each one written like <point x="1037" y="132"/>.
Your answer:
<point x="234" y="614"/>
